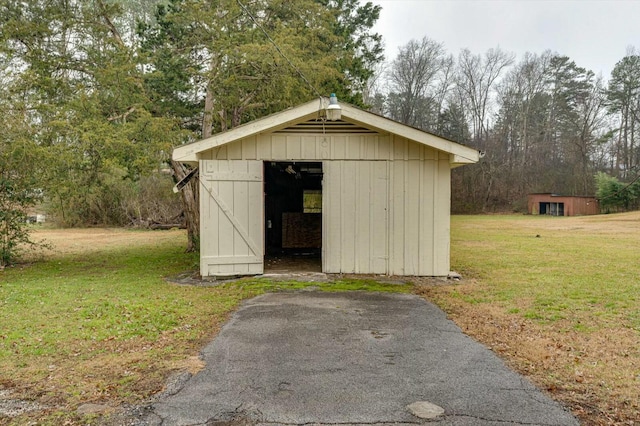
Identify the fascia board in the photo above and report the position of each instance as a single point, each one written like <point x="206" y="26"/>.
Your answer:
<point x="460" y="154"/>
<point x="189" y="152"/>
<point x="469" y="155"/>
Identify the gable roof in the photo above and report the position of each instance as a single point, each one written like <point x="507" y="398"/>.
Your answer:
<point x="461" y="154"/>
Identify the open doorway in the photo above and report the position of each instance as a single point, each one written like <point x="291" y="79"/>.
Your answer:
<point x="552" y="209"/>
<point x="293" y="216"/>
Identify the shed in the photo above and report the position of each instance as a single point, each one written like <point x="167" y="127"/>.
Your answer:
<point x="370" y="194"/>
<point x="562" y="205"/>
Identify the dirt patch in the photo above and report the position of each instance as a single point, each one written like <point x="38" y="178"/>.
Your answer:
<point x="292" y="263"/>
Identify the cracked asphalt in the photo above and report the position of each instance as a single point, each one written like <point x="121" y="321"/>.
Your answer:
<point x="312" y="358"/>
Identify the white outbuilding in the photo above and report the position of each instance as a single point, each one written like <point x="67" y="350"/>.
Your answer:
<point x="370" y="194"/>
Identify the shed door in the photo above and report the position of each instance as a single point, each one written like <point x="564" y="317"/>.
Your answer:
<point x="355" y="206"/>
<point x="231" y="217"/>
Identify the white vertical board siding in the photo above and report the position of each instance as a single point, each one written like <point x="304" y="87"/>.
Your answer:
<point x="232" y="217"/>
<point x="386" y="217"/>
<point x="419" y="218"/>
<point x="312" y="147"/>
<point x="355" y="217"/>
<point x="379" y="223"/>
<point x="442" y="223"/>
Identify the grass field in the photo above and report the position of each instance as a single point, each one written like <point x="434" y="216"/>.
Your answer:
<point x="559" y="299"/>
<point x="93" y="321"/>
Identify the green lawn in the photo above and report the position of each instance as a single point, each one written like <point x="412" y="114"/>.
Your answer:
<point x="105" y="327"/>
<point x="555" y="268"/>
<point x="559" y="298"/>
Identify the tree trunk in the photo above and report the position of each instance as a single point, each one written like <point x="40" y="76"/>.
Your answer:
<point x="191" y="191"/>
<point x="207" y="119"/>
<point x="190" y="202"/>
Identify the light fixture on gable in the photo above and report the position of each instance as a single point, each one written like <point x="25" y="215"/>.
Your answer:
<point x="334" y="112"/>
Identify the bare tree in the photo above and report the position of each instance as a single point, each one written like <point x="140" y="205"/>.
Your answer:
<point x="476" y="78"/>
<point x="589" y="120"/>
<point x="445" y="82"/>
<point x="413" y="80"/>
<point x="376" y="89"/>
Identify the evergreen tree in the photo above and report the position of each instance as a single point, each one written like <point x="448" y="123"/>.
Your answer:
<point x="216" y="65"/>
<point x="80" y="83"/>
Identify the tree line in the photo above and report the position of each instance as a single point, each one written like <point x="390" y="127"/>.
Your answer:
<point x="96" y="93"/>
<point x="544" y="123"/>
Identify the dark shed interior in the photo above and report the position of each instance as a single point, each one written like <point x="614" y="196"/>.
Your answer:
<point x="293" y="208"/>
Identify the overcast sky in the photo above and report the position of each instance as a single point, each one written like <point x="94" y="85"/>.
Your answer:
<point x="593" y="33"/>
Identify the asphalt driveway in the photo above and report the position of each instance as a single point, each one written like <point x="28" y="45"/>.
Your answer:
<point x="351" y="358"/>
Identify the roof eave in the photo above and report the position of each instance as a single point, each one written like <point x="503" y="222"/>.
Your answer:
<point x="463" y="154"/>
<point x="189" y="153"/>
<point x="457" y="160"/>
<point x="460" y="154"/>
